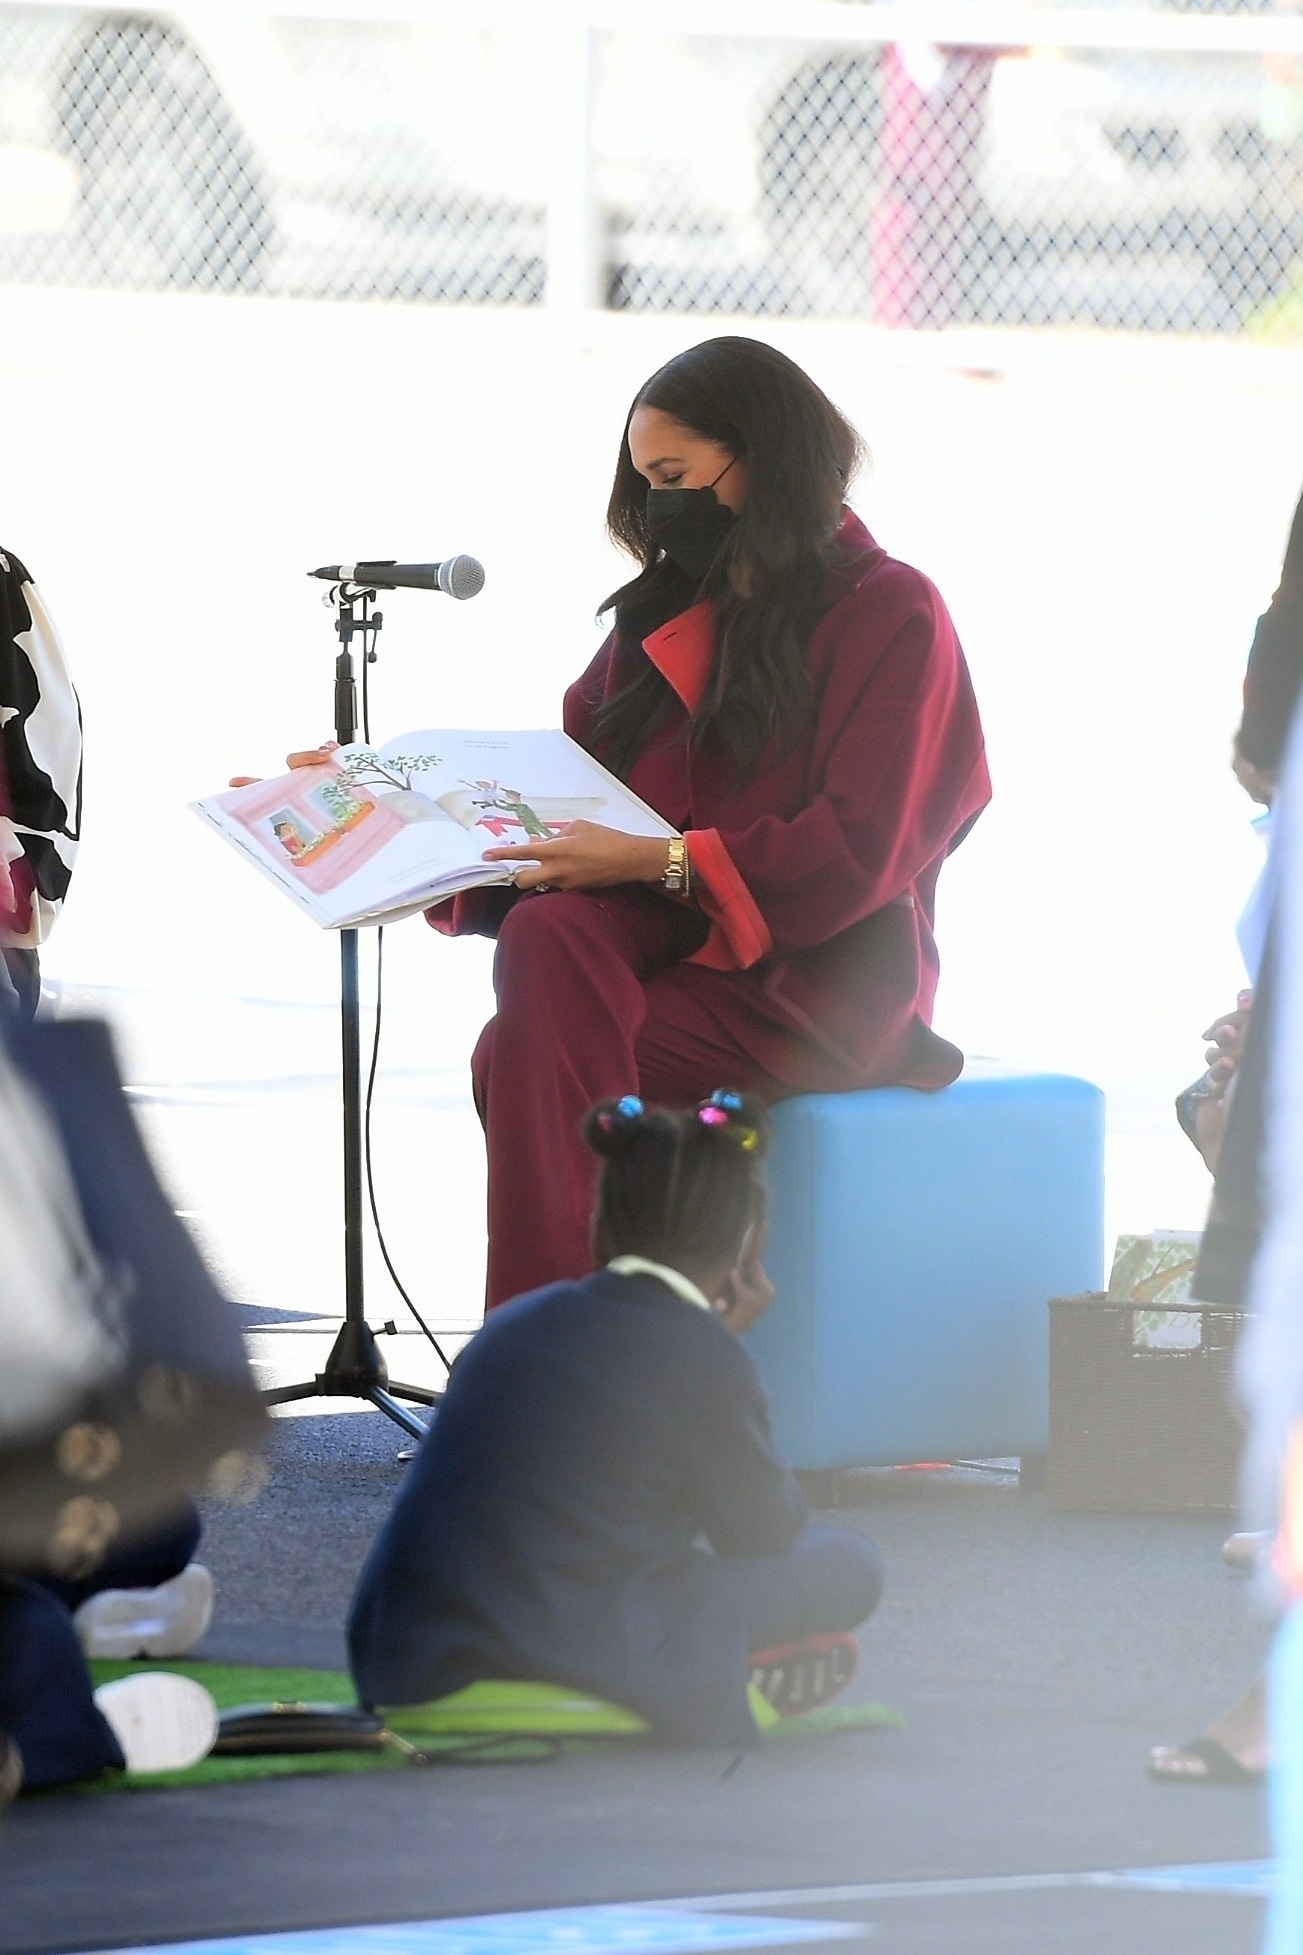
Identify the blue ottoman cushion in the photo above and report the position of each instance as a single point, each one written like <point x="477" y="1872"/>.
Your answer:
<point x="915" y="1239"/>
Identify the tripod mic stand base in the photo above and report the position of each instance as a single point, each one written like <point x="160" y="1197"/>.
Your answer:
<point x="355" y="1369"/>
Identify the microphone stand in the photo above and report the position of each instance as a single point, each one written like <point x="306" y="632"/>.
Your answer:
<point x="355" y="1368"/>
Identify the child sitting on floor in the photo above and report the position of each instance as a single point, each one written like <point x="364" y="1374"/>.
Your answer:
<point x="592" y="1434"/>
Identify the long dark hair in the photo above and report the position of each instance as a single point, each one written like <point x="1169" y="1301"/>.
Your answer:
<point x="678" y="1187"/>
<point x="800" y="453"/>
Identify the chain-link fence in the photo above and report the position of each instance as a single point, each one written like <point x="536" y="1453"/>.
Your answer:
<point x="920" y="185"/>
<point x="241" y="151"/>
<point x="1147" y="175"/>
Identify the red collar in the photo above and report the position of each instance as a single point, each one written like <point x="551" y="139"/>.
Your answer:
<point x="682" y="651"/>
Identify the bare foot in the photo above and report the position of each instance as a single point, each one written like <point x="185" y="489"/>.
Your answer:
<point x="1232" y="1747"/>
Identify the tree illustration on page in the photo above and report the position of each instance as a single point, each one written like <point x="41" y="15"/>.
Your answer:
<point x="394" y="770"/>
<point x="339" y="803"/>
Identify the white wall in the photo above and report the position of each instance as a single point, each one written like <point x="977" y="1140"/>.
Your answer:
<point x="1104" y="516"/>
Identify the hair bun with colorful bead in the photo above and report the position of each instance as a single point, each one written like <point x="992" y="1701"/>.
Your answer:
<point x="616" y="1125"/>
<point x="744" y="1121"/>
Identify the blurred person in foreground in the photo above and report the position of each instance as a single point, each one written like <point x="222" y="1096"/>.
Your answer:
<point x="40" y="802"/>
<point x="122" y="1378"/>
<point x="1225" y="1114"/>
<point x="1273" y="675"/>
<point x="1270" y="1361"/>
<point x="594" y="1435"/>
<point x="153" y="1599"/>
<point x="1232" y="1748"/>
<point x="796" y="703"/>
<point x="1273" y="680"/>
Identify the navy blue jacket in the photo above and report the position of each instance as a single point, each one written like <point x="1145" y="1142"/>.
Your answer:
<point x="590" y="1433"/>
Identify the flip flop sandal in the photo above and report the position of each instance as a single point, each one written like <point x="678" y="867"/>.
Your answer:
<point x="1223" y="1767"/>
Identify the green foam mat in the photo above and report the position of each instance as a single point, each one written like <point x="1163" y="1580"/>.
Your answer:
<point x="489" y="1722"/>
<point x="837" y="1717"/>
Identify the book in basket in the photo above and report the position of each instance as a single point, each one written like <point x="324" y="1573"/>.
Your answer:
<point x="376" y="833"/>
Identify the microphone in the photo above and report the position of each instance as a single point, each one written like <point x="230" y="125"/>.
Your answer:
<point x="459" y="577"/>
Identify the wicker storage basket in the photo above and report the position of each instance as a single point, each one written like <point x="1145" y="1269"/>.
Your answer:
<point x="1138" y="1430"/>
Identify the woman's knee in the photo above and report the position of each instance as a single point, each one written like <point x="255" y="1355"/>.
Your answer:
<point x="632" y="927"/>
<point x="541" y="932"/>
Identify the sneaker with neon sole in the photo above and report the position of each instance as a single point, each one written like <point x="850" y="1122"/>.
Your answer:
<point x="803" y="1676"/>
<point x="163" y="1621"/>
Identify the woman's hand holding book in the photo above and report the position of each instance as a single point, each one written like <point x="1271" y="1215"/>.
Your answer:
<point x="309" y="757"/>
<point x="586" y="856"/>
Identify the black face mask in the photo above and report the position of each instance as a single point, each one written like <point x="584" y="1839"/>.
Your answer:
<point x="689" y="525"/>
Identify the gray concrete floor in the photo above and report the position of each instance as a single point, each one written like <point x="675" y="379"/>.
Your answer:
<point x="1035" y="1657"/>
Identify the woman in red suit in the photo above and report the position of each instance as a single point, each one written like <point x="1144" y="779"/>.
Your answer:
<point x="797" y="705"/>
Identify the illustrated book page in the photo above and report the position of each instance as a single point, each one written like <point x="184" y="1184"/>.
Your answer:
<point x="376" y="833"/>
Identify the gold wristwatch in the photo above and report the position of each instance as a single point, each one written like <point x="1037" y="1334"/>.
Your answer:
<point x="677" y="873"/>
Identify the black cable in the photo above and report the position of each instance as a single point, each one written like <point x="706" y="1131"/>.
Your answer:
<point x="497" y="1748"/>
<point x="397" y="1281"/>
<point x="368" y="653"/>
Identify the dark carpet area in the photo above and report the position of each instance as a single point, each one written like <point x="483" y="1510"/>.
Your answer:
<point x="1035" y="1657"/>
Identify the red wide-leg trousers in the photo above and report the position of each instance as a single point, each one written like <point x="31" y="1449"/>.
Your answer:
<point x="595" y="1001"/>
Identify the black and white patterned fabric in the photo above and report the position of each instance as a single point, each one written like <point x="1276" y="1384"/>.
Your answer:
<point x="40" y="780"/>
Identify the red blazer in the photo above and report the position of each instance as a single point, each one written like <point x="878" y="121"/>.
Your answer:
<point x="819" y="873"/>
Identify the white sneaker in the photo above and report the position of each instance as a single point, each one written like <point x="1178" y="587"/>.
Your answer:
<point x="163" y="1621"/>
<point x="163" y="1722"/>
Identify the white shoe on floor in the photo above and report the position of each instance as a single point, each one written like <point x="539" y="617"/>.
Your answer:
<point x="163" y="1722"/>
<point x="1243" y="1552"/>
<point x="163" y="1621"/>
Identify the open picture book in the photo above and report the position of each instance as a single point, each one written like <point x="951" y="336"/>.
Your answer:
<point x="377" y="833"/>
